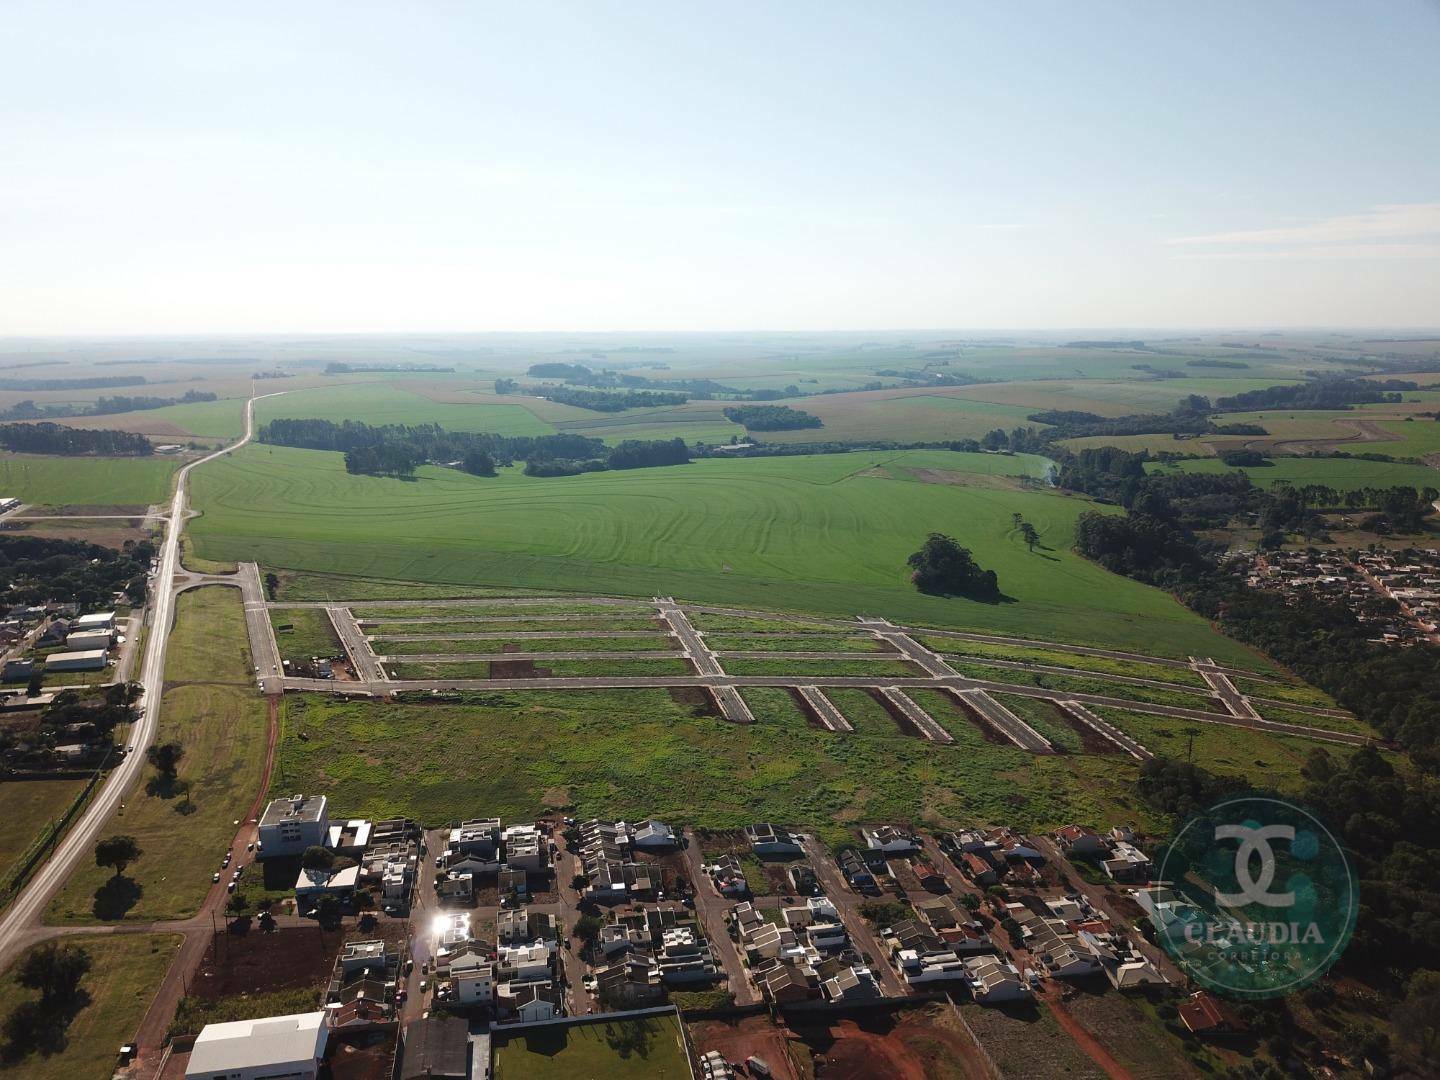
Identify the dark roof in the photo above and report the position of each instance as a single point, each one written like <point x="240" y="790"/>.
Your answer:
<point x="436" y="1048"/>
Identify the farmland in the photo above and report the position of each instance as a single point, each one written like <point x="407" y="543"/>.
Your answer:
<point x="826" y="534"/>
<point x="211" y="709"/>
<point x="125" y="974"/>
<point x="384" y="403"/>
<point x="85" y="481"/>
<point x="1343" y="474"/>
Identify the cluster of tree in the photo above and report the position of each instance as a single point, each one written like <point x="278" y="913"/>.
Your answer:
<point x="607" y="400"/>
<point x="348" y="369"/>
<point x="35" y="569"/>
<point x="1213" y="362"/>
<point x="912" y="377"/>
<point x="70" y="718"/>
<point x="630" y="454"/>
<point x="45" y="438"/>
<point x="100" y="382"/>
<point x="1244" y="459"/>
<point x="428" y="442"/>
<point x="771" y="418"/>
<point x="944" y="568"/>
<point x="1190" y="417"/>
<point x="1320" y="394"/>
<point x="105" y="406"/>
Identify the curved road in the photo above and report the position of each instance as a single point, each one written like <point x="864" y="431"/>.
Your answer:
<point x="28" y="906"/>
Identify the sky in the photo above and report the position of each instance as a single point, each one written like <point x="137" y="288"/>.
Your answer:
<point x="467" y="166"/>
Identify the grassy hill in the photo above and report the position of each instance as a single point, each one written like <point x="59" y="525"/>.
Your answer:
<point x="825" y="533"/>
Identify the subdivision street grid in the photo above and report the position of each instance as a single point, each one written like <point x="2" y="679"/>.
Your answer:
<point x="372" y="676"/>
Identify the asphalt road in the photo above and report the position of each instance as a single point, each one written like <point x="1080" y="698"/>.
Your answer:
<point x="28" y="906"/>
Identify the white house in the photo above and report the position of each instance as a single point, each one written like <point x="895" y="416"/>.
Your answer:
<point x="654" y="836"/>
<point x="273" y="1048"/>
<point x="993" y="980"/>
<point x="474" y="985"/>
<point x="890" y="840"/>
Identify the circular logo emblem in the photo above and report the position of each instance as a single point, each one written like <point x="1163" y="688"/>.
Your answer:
<point x="1259" y="899"/>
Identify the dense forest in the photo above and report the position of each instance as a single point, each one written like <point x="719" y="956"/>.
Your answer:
<point x="58" y="439"/>
<point x="771" y="418"/>
<point x="35" y="569"/>
<point x="1321" y="394"/>
<point x="606" y="400"/>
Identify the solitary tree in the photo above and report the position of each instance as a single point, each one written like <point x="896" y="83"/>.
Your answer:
<point x="55" y="970"/>
<point x="238" y="905"/>
<point x="117" y="851"/>
<point x="166" y="758"/>
<point x="1028" y="533"/>
<point x="318" y="858"/>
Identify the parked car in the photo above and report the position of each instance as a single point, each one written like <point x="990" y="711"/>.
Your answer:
<point x="215" y="877"/>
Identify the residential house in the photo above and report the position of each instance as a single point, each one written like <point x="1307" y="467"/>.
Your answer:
<point x="654" y="836"/>
<point x="1127" y="864"/>
<point x="1205" y="1014"/>
<point x="889" y="840"/>
<point x="435" y="1048"/>
<point x="521" y="926"/>
<point x="478" y="837"/>
<point x="527" y="848"/>
<point x="1081" y="841"/>
<point x="728" y="876"/>
<point x="529" y="1002"/>
<point x="456" y="891"/>
<point x="857" y="872"/>
<point x="772" y="841"/>
<point x="993" y="980"/>
<point x="850" y="984"/>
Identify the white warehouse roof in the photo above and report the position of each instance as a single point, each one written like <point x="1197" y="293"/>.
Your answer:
<point x="282" y="1044"/>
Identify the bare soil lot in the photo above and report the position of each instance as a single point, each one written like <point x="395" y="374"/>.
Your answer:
<point x="924" y="1043"/>
<point x="738" y="1039"/>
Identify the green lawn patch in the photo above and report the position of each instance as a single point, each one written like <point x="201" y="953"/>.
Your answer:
<point x="1055" y="658"/>
<point x="302" y="633"/>
<point x="858" y="643"/>
<point x="30" y="808"/>
<point x="650" y="1048"/>
<point x="1079" y="684"/>
<point x="560" y="669"/>
<point x="1041" y="715"/>
<point x="811" y="668"/>
<point x="660" y="642"/>
<point x="460" y="625"/>
<point x="1300" y="715"/>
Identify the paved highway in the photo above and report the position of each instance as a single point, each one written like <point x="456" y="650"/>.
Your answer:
<point x="28" y="906"/>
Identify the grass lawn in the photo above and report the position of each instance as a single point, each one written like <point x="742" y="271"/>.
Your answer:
<point x="1080" y="684"/>
<point x="212" y="709"/>
<point x="1079" y="661"/>
<point x="560" y="669"/>
<point x="1298" y="694"/>
<point x="650" y="1048"/>
<point x="29" y="808"/>
<point x="125" y="973"/>
<point x="660" y="642"/>
<point x="878" y="667"/>
<point x="86" y="481"/>
<point x="860" y="643"/>
<point x="310" y="633"/>
<point x="824" y="534"/>
<point x="459" y="625"/>
<point x="301" y="585"/>
<point x="1300" y="715"/>
<point x="622" y="752"/>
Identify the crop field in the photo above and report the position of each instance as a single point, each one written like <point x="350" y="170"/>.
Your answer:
<point x="385" y="403"/>
<point x="650" y="1048"/>
<point x="901" y="416"/>
<point x="618" y="752"/>
<point x="210" y="707"/>
<point x="1080" y="662"/>
<point x="1343" y="474"/>
<point x="86" y="481"/>
<point x="125" y="973"/>
<point x="819" y="534"/>
<point x="498" y="624"/>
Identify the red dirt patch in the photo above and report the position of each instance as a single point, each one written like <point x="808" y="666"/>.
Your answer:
<point x="925" y="1043"/>
<point x="738" y="1039"/>
<point x="256" y="962"/>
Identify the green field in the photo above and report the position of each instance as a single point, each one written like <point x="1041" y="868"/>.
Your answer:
<point x="384" y="403"/>
<point x="212" y="709"/>
<point x="86" y="481"/>
<point x="650" y="1048"/>
<point x="310" y="634"/>
<point x="822" y="534"/>
<point x="1343" y="474"/>
<point x="29" y="808"/>
<point x="125" y="972"/>
<point x="622" y="752"/>
<point x="560" y="669"/>
<point x="444" y="647"/>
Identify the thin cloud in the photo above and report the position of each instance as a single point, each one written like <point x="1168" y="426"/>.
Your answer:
<point x="1394" y="221"/>
<point x="1318" y="252"/>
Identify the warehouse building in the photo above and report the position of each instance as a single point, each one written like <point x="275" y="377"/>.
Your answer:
<point x="91" y="660"/>
<point x="101" y="620"/>
<point x="88" y="640"/>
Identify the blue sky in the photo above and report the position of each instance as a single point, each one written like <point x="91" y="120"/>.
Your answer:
<point x="466" y="166"/>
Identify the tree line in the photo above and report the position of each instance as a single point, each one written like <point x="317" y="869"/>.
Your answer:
<point x="47" y="438"/>
<point x="771" y="418"/>
<point x="105" y="406"/>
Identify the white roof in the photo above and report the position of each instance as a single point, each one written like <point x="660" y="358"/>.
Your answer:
<point x="321" y="880"/>
<point x="273" y="1041"/>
